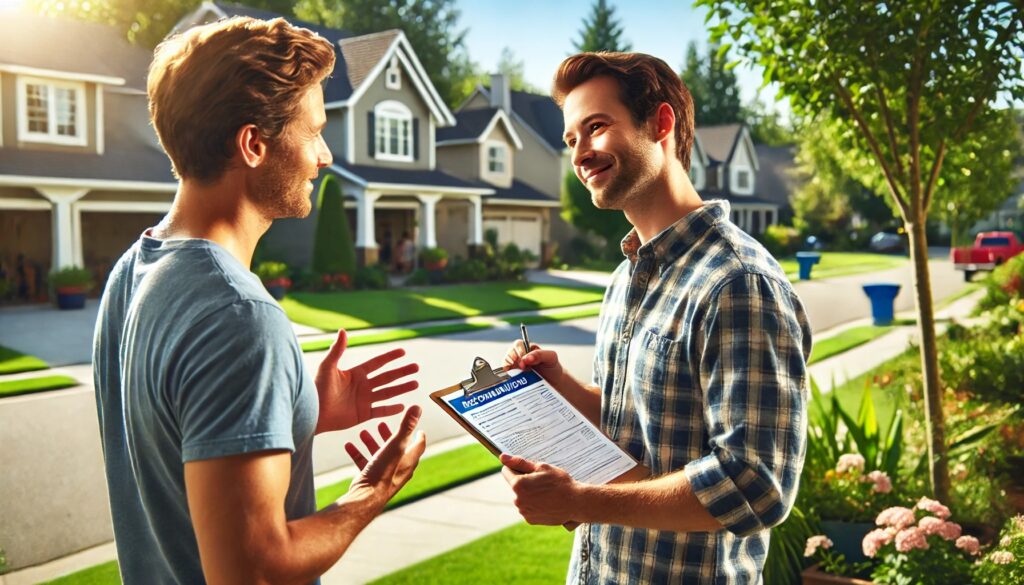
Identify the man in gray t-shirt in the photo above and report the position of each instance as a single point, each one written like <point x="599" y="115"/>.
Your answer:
<point x="207" y="413"/>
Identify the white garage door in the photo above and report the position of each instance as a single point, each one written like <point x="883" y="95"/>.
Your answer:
<point x="524" y="232"/>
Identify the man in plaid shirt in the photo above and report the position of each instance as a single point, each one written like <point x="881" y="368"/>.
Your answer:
<point x="700" y="366"/>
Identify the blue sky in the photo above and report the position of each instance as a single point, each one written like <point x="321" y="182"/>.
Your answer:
<point x="541" y="33"/>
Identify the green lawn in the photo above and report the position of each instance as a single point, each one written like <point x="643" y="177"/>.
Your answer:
<point x="41" y="384"/>
<point x="397" y="335"/>
<point x="834" y="264"/>
<point x="105" y="574"/>
<point x="363" y="309"/>
<point x="434" y="474"/>
<point x="13" y="362"/>
<point x="520" y="554"/>
<point x="553" y="317"/>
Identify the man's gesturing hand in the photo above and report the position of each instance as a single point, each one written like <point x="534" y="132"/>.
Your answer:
<point x="389" y="467"/>
<point x="347" y="397"/>
<point x="544" y="493"/>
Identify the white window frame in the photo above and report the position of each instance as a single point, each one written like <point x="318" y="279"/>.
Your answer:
<point x="502" y="157"/>
<point x="393" y="75"/>
<point x="51" y="136"/>
<point x="697" y="174"/>
<point x="384" y="114"/>
<point x="735" y="182"/>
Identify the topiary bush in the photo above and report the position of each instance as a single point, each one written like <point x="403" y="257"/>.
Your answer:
<point x="333" y="250"/>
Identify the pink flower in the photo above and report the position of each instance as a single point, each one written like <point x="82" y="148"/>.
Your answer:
<point x="850" y="462"/>
<point x="930" y="525"/>
<point x="883" y="484"/>
<point x="910" y="538"/>
<point x="898" y="517"/>
<point x="1002" y="557"/>
<point x="875" y="540"/>
<point x="968" y="544"/>
<point x="933" y="506"/>
<point x="949" y="530"/>
<point x="814" y="542"/>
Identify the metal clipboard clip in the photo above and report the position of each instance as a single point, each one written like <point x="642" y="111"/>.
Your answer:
<point x="483" y="376"/>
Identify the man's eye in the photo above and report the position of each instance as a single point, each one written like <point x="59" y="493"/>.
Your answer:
<point x="595" y="126"/>
<point x="572" y="142"/>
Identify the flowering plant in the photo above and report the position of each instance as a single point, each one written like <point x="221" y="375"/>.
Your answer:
<point x="920" y="545"/>
<point x="1005" y="562"/>
<point x="847" y="493"/>
<point x="336" y="281"/>
<point x="831" y="561"/>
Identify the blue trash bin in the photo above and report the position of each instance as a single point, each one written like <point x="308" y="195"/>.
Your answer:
<point x="882" y="298"/>
<point x="807" y="260"/>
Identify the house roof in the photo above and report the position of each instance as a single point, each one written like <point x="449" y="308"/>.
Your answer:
<point x="131" y="151"/>
<point x="469" y="125"/>
<point x="437" y="178"/>
<point x="539" y="112"/>
<point x="777" y="179"/>
<point x="86" y="49"/>
<point x="719" y="141"/>
<point x="520" y="191"/>
<point x="364" y="52"/>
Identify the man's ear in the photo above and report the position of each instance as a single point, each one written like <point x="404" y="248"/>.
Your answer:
<point x="251" y="147"/>
<point x="663" y="122"/>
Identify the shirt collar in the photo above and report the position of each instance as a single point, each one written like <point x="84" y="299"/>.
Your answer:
<point x="677" y="238"/>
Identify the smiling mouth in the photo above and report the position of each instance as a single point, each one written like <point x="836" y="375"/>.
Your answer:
<point x="597" y="172"/>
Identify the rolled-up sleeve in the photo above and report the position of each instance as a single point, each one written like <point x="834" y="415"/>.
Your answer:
<point x="753" y="375"/>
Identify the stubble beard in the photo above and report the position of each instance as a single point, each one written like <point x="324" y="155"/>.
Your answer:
<point x="280" y="191"/>
<point x="634" y="174"/>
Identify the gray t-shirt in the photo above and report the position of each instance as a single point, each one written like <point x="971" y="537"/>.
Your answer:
<point x="193" y="360"/>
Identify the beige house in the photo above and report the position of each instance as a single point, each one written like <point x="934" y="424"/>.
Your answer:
<point x="726" y="166"/>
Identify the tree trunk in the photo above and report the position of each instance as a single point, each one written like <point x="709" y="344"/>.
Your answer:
<point x="935" y="427"/>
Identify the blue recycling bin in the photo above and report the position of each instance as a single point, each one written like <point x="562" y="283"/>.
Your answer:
<point x="807" y="260"/>
<point x="882" y="296"/>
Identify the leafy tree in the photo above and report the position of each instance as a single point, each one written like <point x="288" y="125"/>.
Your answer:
<point x="515" y="70"/>
<point x="601" y="31"/>
<point x="579" y="210"/>
<point x="333" y="249"/>
<point x="766" y="125"/>
<point x="909" y="81"/>
<point x="713" y="85"/>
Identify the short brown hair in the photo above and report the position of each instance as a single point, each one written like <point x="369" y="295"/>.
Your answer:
<point x="209" y="81"/>
<point x="644" y="83"/>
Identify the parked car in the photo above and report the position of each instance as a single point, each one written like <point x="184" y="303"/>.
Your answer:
<point x="990" y="249"/>
<point x="888" y="242"/>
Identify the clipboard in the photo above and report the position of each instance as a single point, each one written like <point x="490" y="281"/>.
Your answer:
<point x="483" y="377"/>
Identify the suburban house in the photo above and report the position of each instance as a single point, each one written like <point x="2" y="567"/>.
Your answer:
<point x="728" y="170"/>
<point x="81" y="171"/>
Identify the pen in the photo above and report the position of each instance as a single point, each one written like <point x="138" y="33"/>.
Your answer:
<point x="526" y="338"/>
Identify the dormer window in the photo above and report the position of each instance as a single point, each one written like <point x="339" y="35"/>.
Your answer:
<point x="393" y="132"/>
<point x="743" y="180"/>
<point x="393" y="75"/>
<point x="497" y="155"/>
<point x="51" y="111"/>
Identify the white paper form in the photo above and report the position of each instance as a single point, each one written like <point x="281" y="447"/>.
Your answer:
<point x="523" y="416"/>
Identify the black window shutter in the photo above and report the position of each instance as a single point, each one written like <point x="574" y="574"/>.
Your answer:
<point x="415" y="139"/>
<point x="373" y="135"/>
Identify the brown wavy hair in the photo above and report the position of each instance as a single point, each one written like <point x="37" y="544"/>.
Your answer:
<point x="644" y="81"/>
<point x="209" y="81"/>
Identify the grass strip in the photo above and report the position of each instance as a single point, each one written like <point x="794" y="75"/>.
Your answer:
<point x="846" y="341"/>
<point x="434" y="474"/>
<point x="834" y="264"/>
<point x="553" y="317"/>
<point x="520" y="554"/>
<point x="40" y="384"/>
<point x="15" y="362"/>
<point x="105" y="574"/>
<point x="397" y="335"/>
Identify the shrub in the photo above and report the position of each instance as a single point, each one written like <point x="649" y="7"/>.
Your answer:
<point x="271" y="271"/>
<point x="71" y="276"/>
<point x="1005" y="562"/>
<point x="371" y="277"/>
<point x="984" y="363"/>
<point x="781" y="240"/>
<point x="433" y="255"/>
<point x="333" y="250"/>
<point x="419" y="277"/>
<point x="472" y="270"/>
<point x="1004" y="285"/>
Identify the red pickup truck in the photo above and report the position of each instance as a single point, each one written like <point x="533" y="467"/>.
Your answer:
<point x="990" y="249"/>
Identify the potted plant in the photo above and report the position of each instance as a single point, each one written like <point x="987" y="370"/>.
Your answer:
<point x="71" y="284"/>
<point x="275" y="278"/>
<point x="434" y="259"/>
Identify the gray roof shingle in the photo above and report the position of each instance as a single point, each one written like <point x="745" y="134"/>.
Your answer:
<point x="435" y="178"/>
<point x="719" y="141"/>
<point x="469" y="125"/>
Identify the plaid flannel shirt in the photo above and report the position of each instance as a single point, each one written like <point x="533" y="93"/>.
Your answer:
<point x="701" y="361"/>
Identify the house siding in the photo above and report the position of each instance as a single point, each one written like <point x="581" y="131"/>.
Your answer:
<point x="409" y="96"/>
<point x="535" y="165"/>
<point x="334" y="133"/>
<point x="453" y="226"/>
<point x="460" y="160"/>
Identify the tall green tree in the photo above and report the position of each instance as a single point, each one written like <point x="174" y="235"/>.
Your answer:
<point x="579" y="210"/>
<point x="333" y="249"/>
<point x="713" y="85"/>
<point x="910" y="81"/>
<point x="602" y="31"/>
<point x="432" y="27"/>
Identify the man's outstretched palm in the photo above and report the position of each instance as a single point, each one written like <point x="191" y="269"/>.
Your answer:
<point x="348" y="397"/>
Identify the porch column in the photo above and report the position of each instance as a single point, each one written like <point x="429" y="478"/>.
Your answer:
<point x="366" y="239"/>
<point x="66" y="231"/>
<point x="428" y="205"/>
<point x="476" y="221"/>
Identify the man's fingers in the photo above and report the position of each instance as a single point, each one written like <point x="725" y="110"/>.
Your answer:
<point x="375" y="363"/>
<point x="356" y="455"/>
<point x="396" y="390"/>
<point x="509" y="475"/>
<point x="386" y="410"/>
<point x="337" y="348"/>
<point x="410" y="420"/>
<point x="369" y="441"/>
<point x="385" y="432"/>
<point x="392" y="375"/>
<point x="518" y="463"/>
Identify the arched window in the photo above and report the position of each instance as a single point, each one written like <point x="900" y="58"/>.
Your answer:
<point x="393" y="131"/>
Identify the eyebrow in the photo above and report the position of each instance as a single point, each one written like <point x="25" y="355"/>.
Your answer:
<point x="584" y="122"/>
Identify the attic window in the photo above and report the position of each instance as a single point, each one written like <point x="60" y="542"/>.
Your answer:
<point x="51" y="111"/>
<point x="743" y="180"/>
<point x="496" y="157"/>
<point x="393" y="75"/>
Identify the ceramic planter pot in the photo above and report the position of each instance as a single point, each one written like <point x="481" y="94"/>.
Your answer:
<point x="71" y="297"/>
<point x="847" y="538"/>
<point x="813" y="576"/>
<point x="277" y="291"/>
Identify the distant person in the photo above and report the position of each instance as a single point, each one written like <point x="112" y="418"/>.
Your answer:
<point x="207" y="413"/>
<point x="405" y="254"/>
<point x="385" y="249"/>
